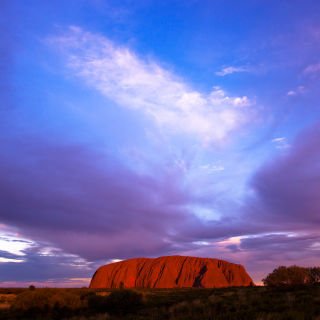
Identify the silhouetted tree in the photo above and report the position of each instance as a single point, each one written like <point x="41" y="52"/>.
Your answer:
<point x="297" y="275"/>
<point x="314" y="275"/>
<point x="292" y="275"/>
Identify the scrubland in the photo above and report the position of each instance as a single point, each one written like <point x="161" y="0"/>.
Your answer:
<point x="263" y="303"/>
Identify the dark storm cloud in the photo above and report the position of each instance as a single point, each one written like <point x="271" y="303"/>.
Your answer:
<point x="283" y="215"/>
<point x="288" y="188"/>
<point x="70" y="189"/>
<point x="88" y="204"/>
<point x="280" y="220"/>
<point x="285" y="196"/>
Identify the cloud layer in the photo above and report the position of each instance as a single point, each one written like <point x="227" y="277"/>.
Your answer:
<point x="287" y="188"/>
<point x="143" y="85"/>
<point x="65" y="196"/>
<point x="90" y="204"/>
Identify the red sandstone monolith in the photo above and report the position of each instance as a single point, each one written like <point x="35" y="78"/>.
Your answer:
<point x="171" y="272"/>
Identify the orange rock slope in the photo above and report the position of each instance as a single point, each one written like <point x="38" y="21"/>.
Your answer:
<point x="170" y="272"/>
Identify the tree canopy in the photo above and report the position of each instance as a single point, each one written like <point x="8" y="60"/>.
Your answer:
<point x="293" y="275"/>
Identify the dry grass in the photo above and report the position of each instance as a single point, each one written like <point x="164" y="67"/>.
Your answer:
<point x="103" y="294"/>
<point x="6" y="299"/>
<point x="253" y="303"/>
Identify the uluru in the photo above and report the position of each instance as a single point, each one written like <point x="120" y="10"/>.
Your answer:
<point x="170" y="272"/>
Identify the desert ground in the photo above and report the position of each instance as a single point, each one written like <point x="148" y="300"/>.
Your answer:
<point x="295" y="302"/>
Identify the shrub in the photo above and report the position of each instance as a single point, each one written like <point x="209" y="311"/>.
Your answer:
<point x="66" y="300"/>
<point x="294" y="275"/>
<point x="124" y="301"/>
<point x="46" y="299"/>
<point x="314" y="275"/>
<point x="32" y="299"/>
<point x="96" y="303"/>
<point x="118" y="302"/>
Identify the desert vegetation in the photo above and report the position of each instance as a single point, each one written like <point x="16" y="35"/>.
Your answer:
<point x="288" y="293"/>
<point x="293" y="275"/>
<point x="276" y="302"/>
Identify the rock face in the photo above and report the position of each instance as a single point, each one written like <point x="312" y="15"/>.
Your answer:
<point x="170" y="272"/>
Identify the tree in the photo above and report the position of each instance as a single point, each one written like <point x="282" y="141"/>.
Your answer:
<point x="297" y="275"/>
<point x="283" y="276"/>
<point x="314" y="275"/>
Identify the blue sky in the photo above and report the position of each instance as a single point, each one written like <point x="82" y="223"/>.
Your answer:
<point x="147" y="128"/>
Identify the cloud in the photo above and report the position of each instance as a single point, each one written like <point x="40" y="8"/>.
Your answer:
<point x="265" y="252"/>
<point x="287" y="188"/>
<point x="278" y="222"/>
<point x="12" y="244"/>
<point x="6" y="256"/>
<point x="312" y="69"/>
<point x="90" y="204"/>
<point x="281" y="143"/>
<point x="230" y="70"/>
<point x="66" y="197"/>
<point x="212" y="168"/>
<point x="278" y="244"/>
<point x="145" y="86"/>
<point x="35" y="266"/>
<point x="298" y="91"/>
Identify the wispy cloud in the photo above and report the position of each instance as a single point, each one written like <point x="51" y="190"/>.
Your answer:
<point x="59" y="267"/>
<point x="297" y="91"/>
<point x="312" y="69"/>
<point x="281" y="143"/>
<point x="230" y="70"/>
<point x="13" y="245"/>
<point x="143" y="85"/>
<point x="212" y="167"/>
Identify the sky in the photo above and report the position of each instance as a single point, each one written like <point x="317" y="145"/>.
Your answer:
<point x="149" y="128"/>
